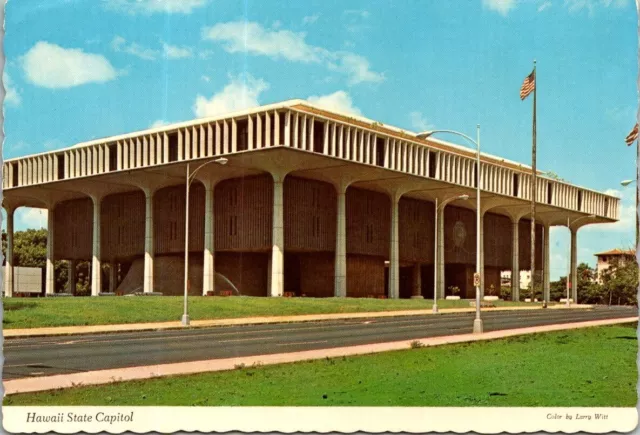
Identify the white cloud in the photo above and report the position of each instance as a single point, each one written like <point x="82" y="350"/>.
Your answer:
<point x="500" y="6"/>
<point x="154" y="6"/>
<point x="119" y="44"/>
<point x="590" y="5"/>
<point x="253" y="38"/>
<point x="11" y="95"/>
<point x="51" y="66"/>
<point x="240" y="93"/>
<point x="356" y="68"/>
<point x="310" y="19"/>
<point x="248" y="37"/>
<point x="205" y="54"/>
<point x="159" y="123"/>
<point x="360" y="13"/>
<point x="339" y="101"/>
<point x="543" y="6"/>
<point x="419" y="122"/>
<point x="205" y="78"/>
<point x="174" y="52"/>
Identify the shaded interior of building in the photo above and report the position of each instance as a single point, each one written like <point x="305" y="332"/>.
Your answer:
<point x="243" y="214"/>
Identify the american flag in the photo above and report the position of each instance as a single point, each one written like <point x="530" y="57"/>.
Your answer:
<point x="528" y="85"/>
<point x="633" y="136"/>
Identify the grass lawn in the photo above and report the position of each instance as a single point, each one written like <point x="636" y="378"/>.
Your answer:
<point x="584" y="367"/>
<point x="41" y="312"/>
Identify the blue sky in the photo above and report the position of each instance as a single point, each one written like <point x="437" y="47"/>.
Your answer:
<point x="83" y="69"/>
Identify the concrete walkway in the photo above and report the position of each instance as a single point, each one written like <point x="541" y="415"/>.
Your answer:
<point x="101" y="329"/>
<point x="97" y="377"/>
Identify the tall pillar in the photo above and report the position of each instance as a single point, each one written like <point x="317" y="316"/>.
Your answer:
<point x="340" y="283"/>
<point x="208" y="271"/>
<point x="546" y="276"/>
<point x="147" y="286"/>
<point x="277" y="252"/>
<point x="574" y="266"/>
<point x="113" y="276"/>
<point x="417" y="282"/>
<point x="71" y="276"/>
<point x="50" y="273"/>
<point x="440" y="256"/>
<point x="481" y="255"/>
<point x="8" y="267"/>
<point x="96" y="276"/>
<point x="515" y="261"/>
<point x="394" y="251"/>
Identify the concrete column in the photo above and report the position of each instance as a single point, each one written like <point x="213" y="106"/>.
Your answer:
<point x="96" y="276"/>
<point x="574" y="266"/>
<point x="50" y="275"/>
<point x="481" y="255"/>
<point x="277" y="252"/>
<point x="208" y="278"/>
<point x="71" y="276"/>
<point x="546" y="282"/>
<point x="440" y="257"/>
<point x="8" y="267"/>
<point x="394" y="251"/>
<point x="340" y="283"/>
<point x="147" y="285"/>
<point x="113" y="276"/>
<point x="417" y="282"/>
<point x="515" y="262"/>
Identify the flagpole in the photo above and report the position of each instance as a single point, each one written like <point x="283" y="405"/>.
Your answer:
<point x="533" y="189"/>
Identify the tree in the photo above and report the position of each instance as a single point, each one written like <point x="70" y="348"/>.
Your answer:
<point x="589" y="291"/>
<point x="30" y="250"/>
<point x="553" y="176"/>
<point x="620" y="282"/>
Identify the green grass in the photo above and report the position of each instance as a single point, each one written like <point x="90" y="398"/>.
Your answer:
<point x="584" y="367"/>
<point x="42" y="312"/>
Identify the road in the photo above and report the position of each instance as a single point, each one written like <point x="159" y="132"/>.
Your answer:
<point x="25" y="357"/>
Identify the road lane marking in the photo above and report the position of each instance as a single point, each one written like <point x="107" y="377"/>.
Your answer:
<point x="244" y="339"/>
<point x="301" y="342"/>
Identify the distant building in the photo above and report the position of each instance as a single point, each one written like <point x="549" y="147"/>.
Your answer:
<point x="525" y="278"/>
<point x="605" y="259"/>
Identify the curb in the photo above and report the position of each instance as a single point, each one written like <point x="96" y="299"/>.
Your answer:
<point x="98" y="377"/>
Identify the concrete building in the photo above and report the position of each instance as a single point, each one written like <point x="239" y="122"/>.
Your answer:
<point x="525" y="278"/>
<point x="605" y="259"/>
<point x="310" y="202"/>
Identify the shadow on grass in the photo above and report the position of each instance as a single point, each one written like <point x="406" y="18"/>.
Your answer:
<point x="19" y="306"/>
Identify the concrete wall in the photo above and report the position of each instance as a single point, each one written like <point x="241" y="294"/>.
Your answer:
<point x="27" y="279"/>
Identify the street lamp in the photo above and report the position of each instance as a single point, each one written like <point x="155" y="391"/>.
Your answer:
<point x="625" y="183"/>
<point x="569" y="284"/>
<point x="477" y="323"/>
<point x="189" y="180"/>
<point x="435" y="238"/>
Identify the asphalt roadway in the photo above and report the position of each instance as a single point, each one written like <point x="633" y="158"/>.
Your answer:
<point x="42" y="356"/>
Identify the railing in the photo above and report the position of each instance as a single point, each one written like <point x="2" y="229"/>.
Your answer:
<point x="371" y="145"/>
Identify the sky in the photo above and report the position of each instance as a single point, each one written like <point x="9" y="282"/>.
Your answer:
<point x="83" y="69"/>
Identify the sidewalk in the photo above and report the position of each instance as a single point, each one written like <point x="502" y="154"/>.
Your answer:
<point x="99" y="329"/>
<point x="97" y="377"/>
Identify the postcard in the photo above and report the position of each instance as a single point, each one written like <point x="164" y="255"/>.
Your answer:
<point x="261" y="216"/>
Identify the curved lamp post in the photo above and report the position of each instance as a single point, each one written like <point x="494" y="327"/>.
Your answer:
<point x="189" y="180"/>
<point x="477" y="323"/>
<point x="435" y="239"/>
<point x="569" y="284"/>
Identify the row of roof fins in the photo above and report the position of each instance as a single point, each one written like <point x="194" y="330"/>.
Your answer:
<point x="275" y="106"/>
